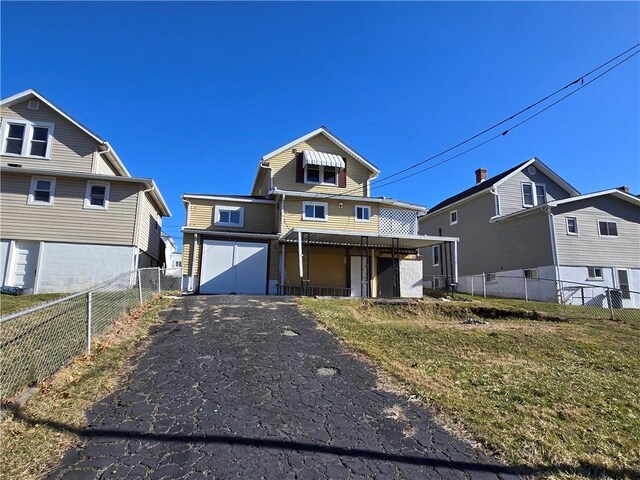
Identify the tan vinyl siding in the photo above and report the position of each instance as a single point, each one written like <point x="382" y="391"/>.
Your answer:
<point x="187" y="248"/>
<point x="283" y="168"/>
<point x="511" y="191"/>
<point x="71" y="150"/>
<point x="67" y="220"/>
<point x="588" y="248"/>
<point x="490" y="247"/>
<point x="103" y="167"/>
<point x="339" y="218"/>
<point x="149" y="228"/>
<point x="258" y="217"/>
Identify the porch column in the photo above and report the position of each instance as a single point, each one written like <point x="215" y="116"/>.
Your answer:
<point x="455" y="261"/>
<point x="300" y="269"/>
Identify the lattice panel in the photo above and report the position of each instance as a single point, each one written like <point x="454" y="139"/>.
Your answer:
<point x="398" y="222"/>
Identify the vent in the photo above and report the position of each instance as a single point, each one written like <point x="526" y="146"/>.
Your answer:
<point x="34" y="105"/>
<point x="14" y="165"/>
<point x="532" y="170"/>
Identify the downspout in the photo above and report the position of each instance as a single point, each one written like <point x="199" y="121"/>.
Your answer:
<point x="496" y="201"/>
<point x="270" y="183"/>
<point x="107" y="151"/>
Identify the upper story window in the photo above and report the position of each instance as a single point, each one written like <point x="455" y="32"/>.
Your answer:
<point x="318" y="174"/>
<point x="453" y="217"/>
<point x="315" y="211"/>
<point x="42" y="191"/>
<point x="229" y="216"/>
<point x="607" y="229"/>
<point x="363" y="213"/>
<point x="97" y="196"/>
<point x="26" y="139"/>
<point x="533" y="194"/>
<point x="572" y="226"/>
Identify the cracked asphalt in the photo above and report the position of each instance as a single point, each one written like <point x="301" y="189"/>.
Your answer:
<point x="251" y="388"/>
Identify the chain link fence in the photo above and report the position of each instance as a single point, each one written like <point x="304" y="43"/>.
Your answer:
<point x="569" y="299"/>
<point x="36" y="342"/>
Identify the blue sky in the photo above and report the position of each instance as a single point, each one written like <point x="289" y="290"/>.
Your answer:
<point x="193" y="94"/>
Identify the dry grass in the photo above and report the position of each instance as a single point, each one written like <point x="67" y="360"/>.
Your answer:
<point x="561" y="398"/>
<point x="28" y="450"/>
<point x="15" y="303"/>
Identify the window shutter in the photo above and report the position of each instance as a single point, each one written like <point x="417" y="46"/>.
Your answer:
<point x="299" y="168"/>
<point x="342" y="175"/>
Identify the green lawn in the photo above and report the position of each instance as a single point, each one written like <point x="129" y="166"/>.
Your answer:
<point x="560" y="397"/>
<point x="15" y="303"/>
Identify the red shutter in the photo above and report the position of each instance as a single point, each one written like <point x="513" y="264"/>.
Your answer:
<point x="299" y="168"/>
<point x="342" y="175"/>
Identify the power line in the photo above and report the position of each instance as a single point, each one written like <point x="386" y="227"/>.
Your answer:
<point x="511" y="128"/>
<point x="580" y="79"/>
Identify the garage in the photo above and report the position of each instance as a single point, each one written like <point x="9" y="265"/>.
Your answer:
<point x="234" y="267"/>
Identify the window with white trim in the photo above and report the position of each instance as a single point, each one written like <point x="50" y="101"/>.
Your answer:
<point x="227" y="216"/>
<point x="436" y="255"/>
<point x="453" y="217"/>
<point x="96" y="196"/>
<point x="315" y="211"/>
<point x="42" y="191"/>
<point x="22" y="138"/>
<point x="594" y="273"/>
<point x="533" y="194"/>
<point x="363" y="213"/>
<point x="531" y="273"/>
<point x="321" y="175"/>
<point x="607" y="229"/>
<point x="572" y="226"/>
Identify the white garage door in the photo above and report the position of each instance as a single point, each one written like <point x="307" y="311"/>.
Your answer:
<point x="233" y="267"/>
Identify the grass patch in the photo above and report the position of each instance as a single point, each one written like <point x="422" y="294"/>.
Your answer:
<point x="561" y="398"/>
<point x="15" y="303"/>
<point x="29" y="449"/>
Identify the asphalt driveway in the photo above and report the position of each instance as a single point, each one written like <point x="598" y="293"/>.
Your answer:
<point x="248" y="387"/>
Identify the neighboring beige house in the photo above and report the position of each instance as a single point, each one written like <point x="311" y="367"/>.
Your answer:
<point x="529" y="222"/>
<point x="71" y="214"/>
<point x="309" y="226"/>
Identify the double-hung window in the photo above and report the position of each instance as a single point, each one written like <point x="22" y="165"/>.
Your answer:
<point x="363" y="213"/>
<point x="453" y="217"/>
<point x="229" y="216"/>
<point x="533" y="194"/>
<point x="42" y="191"/>
<point x="594" y="273"/>
<point x="26" y="139"/>
<point x="607" y="229"/>
<point x="436" y="255"/>
<point x="97" y="196"/>
<point x="319" y="174"/>
<point x="315" y="211"/>
<point x="572" y="226"/>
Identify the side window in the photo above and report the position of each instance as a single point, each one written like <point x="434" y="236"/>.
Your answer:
<point x="572" y="226"/>
<point x="42" y="191"/>
<point x="26" y="139"/>
<point x="229" y="216"/>
<point x="315" y="211"/>
<point x="97" y="196"/>
<point x="363" y="213"/>
<point x="453" y="217"/>
<point x="436" y="255"/>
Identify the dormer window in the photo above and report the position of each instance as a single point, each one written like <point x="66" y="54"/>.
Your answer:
<point x="26" y="139"/>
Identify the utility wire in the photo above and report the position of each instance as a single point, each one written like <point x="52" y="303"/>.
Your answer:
<point x="530" y="117"/>
<point x="580" y="79"/>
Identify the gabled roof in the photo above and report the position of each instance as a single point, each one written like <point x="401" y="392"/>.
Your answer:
<point x="22" y="96"/>
<point x="330" y="136"/>
<point x="616" y="192"/>
<point x="501" y="178"/>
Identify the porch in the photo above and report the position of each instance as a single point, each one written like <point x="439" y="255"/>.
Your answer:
<point x="354" y="264"/>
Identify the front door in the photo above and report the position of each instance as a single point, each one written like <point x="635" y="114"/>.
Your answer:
<point x="25" y="262"/>
<point x="623" y="283"/>
<point x="385" y="277"/>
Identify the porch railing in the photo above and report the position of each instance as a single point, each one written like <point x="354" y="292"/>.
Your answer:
<point x="311" y="291"/>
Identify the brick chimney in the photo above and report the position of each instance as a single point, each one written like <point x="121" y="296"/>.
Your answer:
<point x="624" y="188"/>
<point x="481" y="175"/>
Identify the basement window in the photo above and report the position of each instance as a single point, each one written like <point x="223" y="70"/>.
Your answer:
<point x="594" y="273"/>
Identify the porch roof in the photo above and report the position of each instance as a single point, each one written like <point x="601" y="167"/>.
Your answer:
<point x="352" y="239"/>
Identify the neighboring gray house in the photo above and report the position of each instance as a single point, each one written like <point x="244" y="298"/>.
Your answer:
<point x="72" y="215"/>
<point x="528" y="221"/>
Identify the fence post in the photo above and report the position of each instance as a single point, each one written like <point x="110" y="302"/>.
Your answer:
<point x="472" y="285"/>
<point x="139" y="288"/>
<point x="159" y="289"/>
<point x="526" y="293"/>
<point x="89" y="319"/>
<point x="610" y="304"/>
<point x="484" y="285"/>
